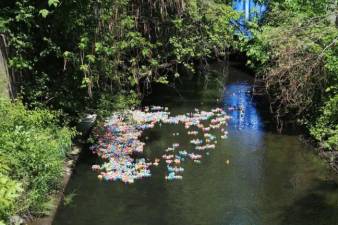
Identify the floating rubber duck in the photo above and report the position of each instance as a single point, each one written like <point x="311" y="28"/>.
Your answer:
<point x="169" y="161"/>
<point x="175" y="145"/>
<point x="183" y="153"/>
<point x="196" y="141"/>
<point x="177" y="161"/>
<point x="96" y="167"/>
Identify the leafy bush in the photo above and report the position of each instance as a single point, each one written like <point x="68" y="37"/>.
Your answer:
<point x="325" y="128"/>
<point x="299" y="69"/>
<point x="32" y="152"/>
<point x="10" y="190"/>
<point x="107" y="47"/>
<point x="108" y="103"/>
<point x="295" y="55"/>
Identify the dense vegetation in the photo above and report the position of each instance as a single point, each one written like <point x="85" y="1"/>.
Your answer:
<point x="105" y="54"/>
<point x="81" y="56"/>
<point x="89" y="56"/>
<point x="296" y="55"/>
<point x="32" y="153"/>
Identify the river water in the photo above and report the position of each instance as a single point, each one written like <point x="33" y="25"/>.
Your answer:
<point x="271" y="179"/>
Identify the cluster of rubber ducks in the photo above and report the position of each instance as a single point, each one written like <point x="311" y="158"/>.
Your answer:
<point x="119" y="139"/>
<point x="116" y="142"/>
<point x="198" y="119"/>
<point x="196" y="141"/>
<point x="192" y="133"/>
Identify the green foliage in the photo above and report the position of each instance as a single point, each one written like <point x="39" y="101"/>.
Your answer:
<point x="325" y="129"/>
<point x="54" y="3"/>
<point x="44" y="13"/>
<point x="204" y="32"/>
<point x="109" y="103"/>
<point x="107" y="48"/>
<point x="89" y="56"/>
<point x="295" y="54"/>
<point x="32" y="153"/>
<point x="68" y="199"/>
<point x="10" y="191"/>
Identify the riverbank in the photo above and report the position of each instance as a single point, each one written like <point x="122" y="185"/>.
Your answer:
<point x="249" y="120"/>
<point x="80" y="142"/>
<point x="33" y="149"/>
<point x="58" y="197"/>
<point x="265" y="168"/>
<point x="331" y="157"/>
<point x="262" y="99"/>
<point x="298" y="70"/>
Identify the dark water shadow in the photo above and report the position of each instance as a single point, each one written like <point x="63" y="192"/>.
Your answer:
<point x="315" y="207"/>
<point x="271" y="179"/>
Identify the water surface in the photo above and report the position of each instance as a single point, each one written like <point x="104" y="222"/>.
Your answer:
<point x="271" y="179"/>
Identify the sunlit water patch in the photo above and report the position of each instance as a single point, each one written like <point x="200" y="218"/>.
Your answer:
<point x="270" y="179"/>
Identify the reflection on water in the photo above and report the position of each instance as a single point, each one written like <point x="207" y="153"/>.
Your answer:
<point x="241" y="108"/>
<point x="271" y="179"/>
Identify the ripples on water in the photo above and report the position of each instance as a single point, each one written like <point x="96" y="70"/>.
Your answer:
<point x="242" y="110"/>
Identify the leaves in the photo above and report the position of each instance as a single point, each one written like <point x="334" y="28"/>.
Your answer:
<point x="299" y="68"/>
<point x="325" y="129"/>
<point x="33" y="149"/>
<point x="54" y="3"/>
<point x="44" y="13"/>
<point x="59" y="47"/>
<point x="83" y="43"/>
<point x="162" y="80"/>
<point x="90" y="58"/>
<point x="10" y="190"/>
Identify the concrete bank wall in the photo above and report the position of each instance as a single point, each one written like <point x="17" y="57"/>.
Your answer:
<point x="6" y="89"/>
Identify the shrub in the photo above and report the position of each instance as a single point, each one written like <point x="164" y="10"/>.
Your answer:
<point x="33" y="149"/>
<point x="325" y="129"/>
<point x="295" y="55"/>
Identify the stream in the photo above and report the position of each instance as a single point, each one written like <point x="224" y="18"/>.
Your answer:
<point x="270" y="178"/>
